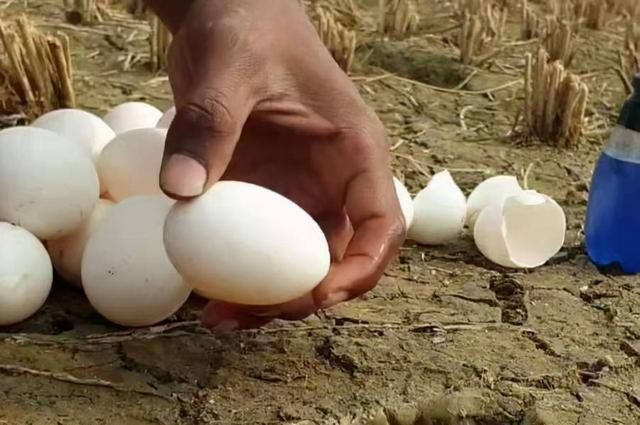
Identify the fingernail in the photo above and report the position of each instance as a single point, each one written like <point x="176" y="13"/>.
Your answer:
<point x="183" y="176"/>
<point x="226" y="326"/>
<point x="333" y="299"/>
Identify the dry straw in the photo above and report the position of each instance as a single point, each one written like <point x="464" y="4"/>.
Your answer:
<point x="340" y="41"/>
<point x="555" y="102"/>
<point x="398" y="17"/>
<point x="630" y="56"/>
<point x="557" y="39"/>
<point x="159" y="42"/>
<point x="36" y="70"/>
<point x="483" y="23"/>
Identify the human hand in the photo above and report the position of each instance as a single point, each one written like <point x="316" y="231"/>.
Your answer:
<point x="259" y="99"/>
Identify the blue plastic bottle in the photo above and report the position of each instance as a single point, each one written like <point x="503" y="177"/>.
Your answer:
<point x="613" y="215"/>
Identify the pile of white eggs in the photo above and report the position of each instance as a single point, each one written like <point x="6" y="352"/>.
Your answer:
<point x="80" y="194"/>
<point x="512" y="227"/>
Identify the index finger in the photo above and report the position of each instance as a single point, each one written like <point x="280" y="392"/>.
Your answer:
<point x="373" y="208"/>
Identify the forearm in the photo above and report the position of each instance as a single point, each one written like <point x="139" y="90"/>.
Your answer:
<point x="170" y="12"/>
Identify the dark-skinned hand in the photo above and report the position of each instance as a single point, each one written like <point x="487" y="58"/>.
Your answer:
<point x="259" y="99"/>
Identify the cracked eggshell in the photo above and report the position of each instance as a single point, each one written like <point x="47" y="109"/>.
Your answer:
<point x="167" y="118"/>
<point x="440" y="211"/>
<point x="246" y="244"/>
<point x="130" y="164"/>
<point x="522" y="231"/>
<point x="26" y="274"/>
<point x="90" y="132"/>
<point x="491" y="191"/>
<point x="131" y="116"/>
<point x="48" y="184"/>
<point x="66" y="253"/>
<point x="406" y="202"/>
<point x="126" y="273"/>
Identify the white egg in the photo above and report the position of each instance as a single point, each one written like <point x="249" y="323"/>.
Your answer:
<point x="522" y="231"/>
<point x="245" y="244"/>
<point x="490" y="191"/>
<point x="131" y="116"/>
<point x="87" y="130"/>
<point x="440" y="211"/>
<point x="166" y="119"/>
<point x="26" y="274"/>
<point x="406" y="202"/>
<point x="126" y="273"/>
<point x="130" y="164"/>
<point x="48" y="184"/>
<point x="66" y="253"/>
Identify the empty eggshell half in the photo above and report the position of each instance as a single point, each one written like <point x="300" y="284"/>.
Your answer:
<point x="126" y="273"/>
<point x="131" y="116"/>
<point x="245" y="244"/>
<point x="521" y="231"/>
<point x="167" y="118"/>
<point x="130" y="164"/>
<point x="490" y="191"/>
<point x="87" y="130"/>
<point x="25" y="274"/>
<point x="440" y="211"/>
<point x="48" y="184"/>
<point x="406" y="202"/>
<point x="66" y="253"/>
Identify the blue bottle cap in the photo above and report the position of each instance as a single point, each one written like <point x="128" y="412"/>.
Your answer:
<point x="630" y="115"/>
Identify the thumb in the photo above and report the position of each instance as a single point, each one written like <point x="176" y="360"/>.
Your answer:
<point x="202" y="139"/>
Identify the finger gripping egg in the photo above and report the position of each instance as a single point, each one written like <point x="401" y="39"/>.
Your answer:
<point x="406" y="202"/>
<point x="126" y="274"/>
<point x="245" y="244"/>
<point x="25" y="274"/>
<point x="48" y="184"/>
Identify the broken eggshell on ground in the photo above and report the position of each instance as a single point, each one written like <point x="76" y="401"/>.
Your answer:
<point x="522" y="231"/>
<point x="493" y="190"/>
<point x="440" y="211"/>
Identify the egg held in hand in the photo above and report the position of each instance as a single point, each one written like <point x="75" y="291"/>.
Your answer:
<point x="246" y="244"/>
<point x="126" y="274"/>
<point x="25" y="274"/>
<point x="48" y="184"/>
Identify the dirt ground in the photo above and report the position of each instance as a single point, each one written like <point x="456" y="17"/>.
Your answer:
<point x="446" y="338"/>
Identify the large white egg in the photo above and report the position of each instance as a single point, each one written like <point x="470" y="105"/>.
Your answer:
<point x="131" y="116"/>
<point x="167" y="118"/>
<point x="440" y="211"/>
<point x="48" y="184"/>
<point x="26" y="274"/>
<point x="87" y="130"/>
<point x="66" y="253"/>
<point x="245" y="244"/>
<point x="130" y="164"/>
<point x="126" y="273"/>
